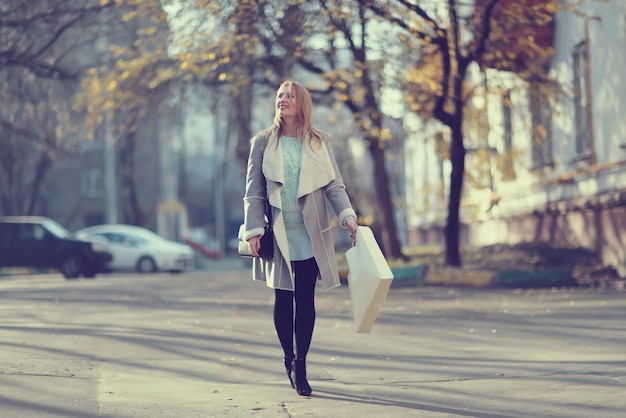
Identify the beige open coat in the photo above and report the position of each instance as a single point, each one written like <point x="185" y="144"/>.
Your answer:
<point x="320" y="182"/>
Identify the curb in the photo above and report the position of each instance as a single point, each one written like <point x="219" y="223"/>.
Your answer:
<point x="548" y="277"/>
<point x="454" y="276"/>
<point x="22" y="271"/>
<point x="405" y="276"/>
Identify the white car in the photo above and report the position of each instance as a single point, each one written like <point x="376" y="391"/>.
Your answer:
<point x="137" y="248"/>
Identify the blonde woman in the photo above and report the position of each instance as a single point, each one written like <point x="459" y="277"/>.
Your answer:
<point x="292" y="166"/>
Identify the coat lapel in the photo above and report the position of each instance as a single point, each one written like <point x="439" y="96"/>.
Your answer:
<point x="273" y="160"/>
<point x="316" y="162"/>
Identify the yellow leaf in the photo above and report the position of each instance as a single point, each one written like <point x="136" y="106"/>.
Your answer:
<point x="385" y="135"/>
<point x="96" y="87"/>
<point x="541" y="131"/>
<point x="147" y="31"/>
<point x="222" y="77"/>
<point x="128" y="16"/>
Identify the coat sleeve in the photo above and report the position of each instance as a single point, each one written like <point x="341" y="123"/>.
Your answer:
<point x="336" y="191"/>
<point x="256" y="190"/>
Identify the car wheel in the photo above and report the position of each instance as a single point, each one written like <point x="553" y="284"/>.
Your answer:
<point x="71" y="266"/>
<point x="146" y="265"/>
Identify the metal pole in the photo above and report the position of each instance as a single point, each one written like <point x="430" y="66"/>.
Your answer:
<point x="110" y="183"/>
<point x="220" y="228"/>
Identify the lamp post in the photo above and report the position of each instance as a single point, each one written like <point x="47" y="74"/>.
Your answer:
<point x="110" y="183"/>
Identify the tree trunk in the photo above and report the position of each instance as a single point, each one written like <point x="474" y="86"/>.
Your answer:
<point x="457" y="159"/>
<point x="245" y="63"/>
<point x="41" y="169"/>
<point x="9" y="178"/>
<point x="129" y="188"/>
<point x="390" y="242"/>
<point x="242" y="115"/>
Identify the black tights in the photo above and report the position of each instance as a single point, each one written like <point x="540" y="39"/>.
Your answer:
<point x="304" y="294"/>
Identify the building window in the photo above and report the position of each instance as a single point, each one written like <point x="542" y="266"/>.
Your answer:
<point x="507" y="164"/>
<point x="583" y="143"/>
<point x="93" y="183"/>
<point x="507" y="105"/>
<point x="540" y="111"/>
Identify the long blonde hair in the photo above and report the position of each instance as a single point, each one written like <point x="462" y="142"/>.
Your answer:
<point x="304" y="128"/>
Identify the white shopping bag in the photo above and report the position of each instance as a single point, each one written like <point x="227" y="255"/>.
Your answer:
<point x="369" y="278"/>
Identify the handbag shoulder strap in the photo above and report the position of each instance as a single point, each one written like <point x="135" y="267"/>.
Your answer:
<point x="268" y="208"/>
<point x="268" y="211"/>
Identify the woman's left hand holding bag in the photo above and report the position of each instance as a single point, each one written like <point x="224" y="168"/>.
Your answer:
<point x="255" y="245"/>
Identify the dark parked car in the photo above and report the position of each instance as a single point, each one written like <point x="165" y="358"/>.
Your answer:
<point x="33" y="241"/>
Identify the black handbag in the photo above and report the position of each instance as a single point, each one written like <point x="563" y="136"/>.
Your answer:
<point x="267" y="240"/>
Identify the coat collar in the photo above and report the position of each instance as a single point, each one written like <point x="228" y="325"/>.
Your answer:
<point x="316" y="171"/>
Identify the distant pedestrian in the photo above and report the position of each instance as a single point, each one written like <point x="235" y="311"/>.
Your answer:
<point x="292" y="165"/>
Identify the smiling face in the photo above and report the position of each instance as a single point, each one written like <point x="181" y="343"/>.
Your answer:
<point x="293" y="110"/>
<point x="286" y="105"/>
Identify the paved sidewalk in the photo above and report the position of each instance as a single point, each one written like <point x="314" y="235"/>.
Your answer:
<point x="203" y="345"/>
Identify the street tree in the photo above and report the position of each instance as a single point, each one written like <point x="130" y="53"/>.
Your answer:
<point x="40" y="64"/>
<point x="131" y="89"/>
<point x="353" y="58"/>
<point x="447" y="38"/>
<point x="160" y="50"/>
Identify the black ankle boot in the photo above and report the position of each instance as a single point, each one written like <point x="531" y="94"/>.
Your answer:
<point x="289" y="369"/>
<point x="302" y="385"/>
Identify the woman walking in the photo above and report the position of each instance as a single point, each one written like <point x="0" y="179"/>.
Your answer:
<point x="292" y="167"/>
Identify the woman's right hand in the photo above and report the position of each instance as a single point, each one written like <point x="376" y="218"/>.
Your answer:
<point x="352" y="227"/>
<point x="255" y="245"/>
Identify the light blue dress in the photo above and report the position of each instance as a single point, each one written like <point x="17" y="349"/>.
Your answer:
<point x="300" y="247"/>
